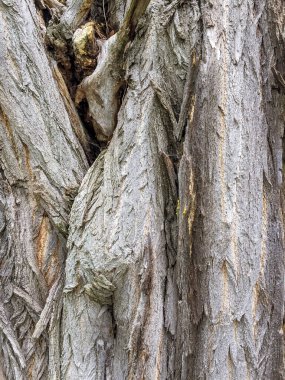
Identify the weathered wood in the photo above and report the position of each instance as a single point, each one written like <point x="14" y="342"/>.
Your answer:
<point x="101" y="88"/>
<point x="174" y="266"/>
<point x="42" y="165"/>
<point x="123" y="231"/>
<point x="231" y="256"/>
<point x="73" y="15"/>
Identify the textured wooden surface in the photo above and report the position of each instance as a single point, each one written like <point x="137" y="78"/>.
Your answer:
<point x="165" y="258"/>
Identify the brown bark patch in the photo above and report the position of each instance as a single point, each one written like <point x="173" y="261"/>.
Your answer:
<point x="53" y="268"/>
<point x="9" y="130"/>
<point x="28" y="161"/>
<point x="42" y="242"/>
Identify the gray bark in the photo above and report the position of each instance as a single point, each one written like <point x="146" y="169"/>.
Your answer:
<point x="164" y="259"/>
<point x="42" y="165"/>
<point x="232" y="285"/>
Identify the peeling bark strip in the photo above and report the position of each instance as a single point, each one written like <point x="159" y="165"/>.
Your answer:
<point x="174" y="262"/>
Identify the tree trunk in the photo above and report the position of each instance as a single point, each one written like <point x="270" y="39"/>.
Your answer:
<point x="164" y="259"/>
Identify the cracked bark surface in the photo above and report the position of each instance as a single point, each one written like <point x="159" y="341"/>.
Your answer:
<point x="42" y="166"/>
<point x="164" y="259"/>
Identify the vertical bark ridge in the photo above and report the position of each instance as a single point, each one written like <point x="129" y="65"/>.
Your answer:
<point x="235" y="287"/>
<point x="122" y="240"/>
<point x="42" y="165"/>
<point x="168" y="275"/>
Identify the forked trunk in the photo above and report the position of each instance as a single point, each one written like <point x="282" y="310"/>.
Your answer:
<point x="165" y="259"/>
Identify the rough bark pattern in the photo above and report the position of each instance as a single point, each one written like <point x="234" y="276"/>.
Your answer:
<point x="120" y="269"/>
<point x="231" y="267"/>
<point x="42" y="165"/>
<point x="73" y="15"/>
<point x="168" y="276"/>
<point x="102" y="87"/>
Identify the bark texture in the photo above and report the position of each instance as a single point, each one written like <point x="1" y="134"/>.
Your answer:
<point x="232" y="283"/>
<point x="42" y="165"/>
<point x="164" y="259"/>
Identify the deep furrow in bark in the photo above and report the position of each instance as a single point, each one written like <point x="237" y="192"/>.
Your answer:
<point x="42" y="165"/>
<point x="122" y="238"/>
<point x="234" y="258"/>
<point x="175" y="254"/>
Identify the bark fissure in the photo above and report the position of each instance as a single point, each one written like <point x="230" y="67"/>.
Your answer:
<point x="165" y="258"/>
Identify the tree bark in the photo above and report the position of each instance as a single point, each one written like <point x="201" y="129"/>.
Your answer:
<point x="231" y="284"/>
<point x="164" y="258"/>
<point x="42" y="165"/>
